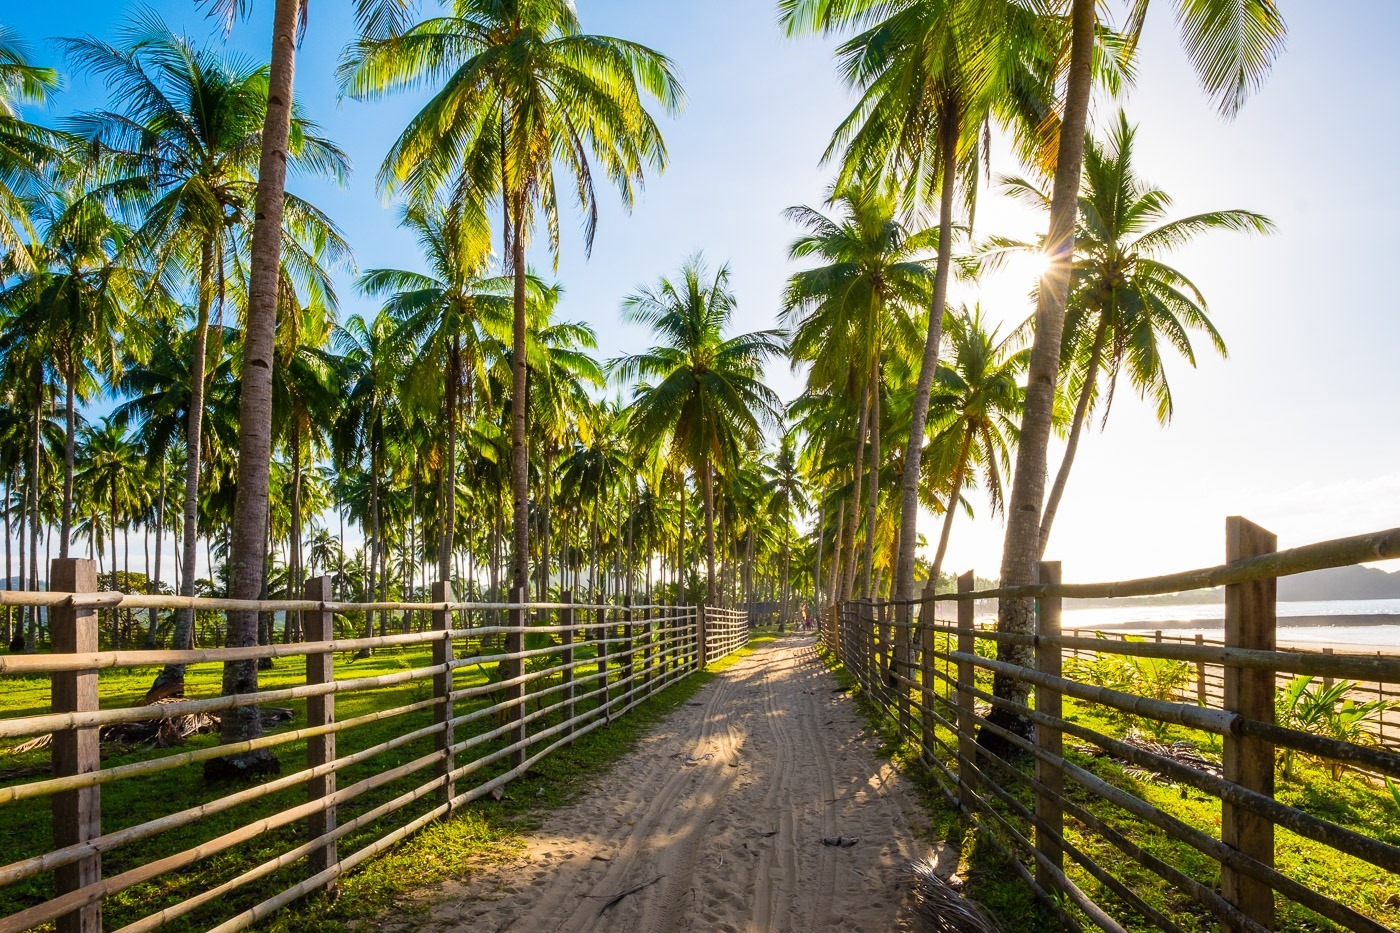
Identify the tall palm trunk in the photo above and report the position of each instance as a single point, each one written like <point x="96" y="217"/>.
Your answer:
<point x="70" y="433"/>
<point x="112" y="531"/>
<point x="928" y="368"/>
<point x="153" y="581"/>
<point x="292" y="624"/>
<point x="1081" y="410"/>
<point x="707" y="480"/>
<point x="848" y="577"/>
<point x="836" y="555"/>
<point x="872" y="495"/>
<point x="171" y="679"/>
<point x="32" y="642"/>
<point x="817" y="572"/>
<point x="1021" y="552"/>
<point x="519" y="465"/>
<point x="449" y="481"/>
<point x="249" y="545"/>
<point x="959" y="474"/>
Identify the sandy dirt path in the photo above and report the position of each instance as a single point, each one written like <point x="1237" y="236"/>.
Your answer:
<point x="731" y="842"/>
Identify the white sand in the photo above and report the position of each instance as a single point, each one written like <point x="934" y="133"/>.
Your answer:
<point x="731" y="843"/>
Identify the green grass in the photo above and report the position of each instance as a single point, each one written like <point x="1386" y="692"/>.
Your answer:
<point x="479" y="832"/>
<point x="1355" y="801"/>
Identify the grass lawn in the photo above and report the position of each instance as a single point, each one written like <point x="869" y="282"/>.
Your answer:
<point x="483" y="829"/>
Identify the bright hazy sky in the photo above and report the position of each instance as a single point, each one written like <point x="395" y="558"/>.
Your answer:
<point x="1294" y="431"/>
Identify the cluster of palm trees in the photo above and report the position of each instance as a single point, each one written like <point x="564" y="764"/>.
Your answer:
<point x="933" y="78"/>
<point x="154" y="269"/>
<point x="127" y="289"/>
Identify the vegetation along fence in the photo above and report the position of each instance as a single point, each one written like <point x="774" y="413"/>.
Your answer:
<point x="399" y="730"/>
<point x="1258" y="806"/>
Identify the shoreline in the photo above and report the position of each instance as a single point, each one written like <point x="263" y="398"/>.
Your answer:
<point x="1284" y="622"/>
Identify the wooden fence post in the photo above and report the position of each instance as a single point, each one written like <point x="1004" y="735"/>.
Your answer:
<point x="629" y="635"/>
<point x="442" y="691"/>
<point x="1048" y="660"/>
<point x="319" y="625"/>
<point x="515" y="643"/>
<point x="1250" y="622"/>
<point x="649" y="627"/>
<point x="1200" y="672"/>
<point x="967" y="673"/>
<point x="1327" y="678"/>
<point x="928" y="613"/>
<point x="702" y="651"/>
<point x="566" y="676"/>
<point x="77" y="814"/>
<point x="903" y="618"/>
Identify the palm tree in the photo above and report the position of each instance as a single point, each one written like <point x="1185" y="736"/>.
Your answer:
<point x="787" y="497"/>
<point x="74" y="303"/>
<point x="1232" y="44"/>
<point x="370" y="366"/>
<point x="524" y="87"/>
<point x="973" y="419"/>
<point x="452" y="318"/>
<point x="112" y="474"/>
<point x="702" y="394"/>
<point x="180" y="149"/>
<point x="843" y="312"/>
<point x="26" y="149"/>
<point x="277" y="146"/>
<point x="1125" y="304"/>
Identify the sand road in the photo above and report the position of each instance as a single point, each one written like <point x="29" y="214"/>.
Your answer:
<point x="732" y="842"/>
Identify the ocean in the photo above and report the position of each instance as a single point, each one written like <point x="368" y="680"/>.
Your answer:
<point x="1364" y="623"/>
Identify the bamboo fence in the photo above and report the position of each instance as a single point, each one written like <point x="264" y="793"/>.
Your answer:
<point x="561" y="670"/>
<point x="925" y="674"/>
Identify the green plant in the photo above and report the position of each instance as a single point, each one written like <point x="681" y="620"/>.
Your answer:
<point x="1319" y="709"/>
<point x="1153" y="678"/>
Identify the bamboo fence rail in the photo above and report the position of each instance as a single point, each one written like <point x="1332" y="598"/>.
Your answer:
<point x="929" y="678"/>
<point x="561" y="670"/>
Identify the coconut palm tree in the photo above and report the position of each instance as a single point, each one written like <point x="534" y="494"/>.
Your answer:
<point x="112" y="473"/>
<point x="843" y="312"/>
<point x="523" y="89"/>
<point x="976" y="405"/>
<point x="1232" y="45"/>
<point x="277" y="147"/>
<point x="74" y="303"/>
<point x="26" y="149"/>
<point x="180" y="151"/>
<point x="699" y="393"/>
<point x="1125" y="304"/>
<point x="452" y="319"/>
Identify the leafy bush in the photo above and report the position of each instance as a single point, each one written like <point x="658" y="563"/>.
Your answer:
<point x="1154" y="678"/>
<point x="1308" y="706"/>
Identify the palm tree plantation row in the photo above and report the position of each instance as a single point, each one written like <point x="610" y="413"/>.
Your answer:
<point x="176" y="369"/>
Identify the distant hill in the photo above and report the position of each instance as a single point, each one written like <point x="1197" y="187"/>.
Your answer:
<point x="1341" y="583"/>
<point x="1319" y="585"/>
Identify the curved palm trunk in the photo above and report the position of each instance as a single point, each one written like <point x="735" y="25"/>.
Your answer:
<point x="171" y="680"/>
<point x="1081" y="410"/>
<point x="707" y="481"/>
<point x="928" y="368"/>
<point x="836" y="554"/>
<point x="959" y="474"/>
<point x="817" y="572"/>
<point x="249" y="545"/>
<point x="519" y="465"/>
<point x="1021" y="552"/>
<point x="872" y="495"/>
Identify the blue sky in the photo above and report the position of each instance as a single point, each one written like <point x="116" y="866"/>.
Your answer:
<point x="1295" y="430"/>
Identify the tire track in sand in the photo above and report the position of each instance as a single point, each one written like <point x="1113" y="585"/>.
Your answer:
<point x="788" y="756"/>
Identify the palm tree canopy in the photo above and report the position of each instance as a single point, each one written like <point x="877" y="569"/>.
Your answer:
<point x="522" y="88"/>
<point x="699" y="392"/>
